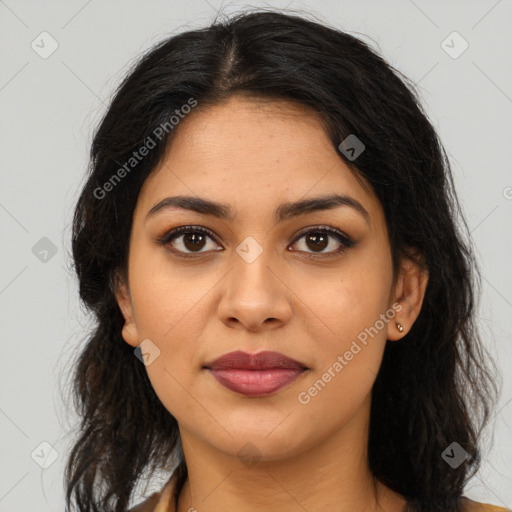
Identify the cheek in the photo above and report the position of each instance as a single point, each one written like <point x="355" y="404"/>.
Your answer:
<point x="347" y="360"/>
<point x="168" y="301"/>
<point x="351" y="335"/>
<point x="170" y="311"/>
<point x="349" y="303"/>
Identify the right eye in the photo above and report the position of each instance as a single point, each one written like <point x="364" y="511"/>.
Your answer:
<point x="187" y="238"/>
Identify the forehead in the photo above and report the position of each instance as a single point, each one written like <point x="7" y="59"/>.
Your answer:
<point x="243" y="125"/>
<point x="249" y="152"/>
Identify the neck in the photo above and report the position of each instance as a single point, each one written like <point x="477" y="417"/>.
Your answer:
<point x="330" y="475"/>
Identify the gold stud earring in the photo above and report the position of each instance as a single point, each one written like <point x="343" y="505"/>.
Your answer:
<point x="399" y="326"/>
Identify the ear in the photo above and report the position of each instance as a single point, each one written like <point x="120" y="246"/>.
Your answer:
<point x="409" y="293"/>
<point x="123" y="298"/>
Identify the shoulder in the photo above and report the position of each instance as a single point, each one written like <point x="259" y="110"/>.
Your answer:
<point x="475" y="506"/>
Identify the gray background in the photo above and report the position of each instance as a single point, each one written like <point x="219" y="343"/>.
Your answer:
<point x="50" y="106"/>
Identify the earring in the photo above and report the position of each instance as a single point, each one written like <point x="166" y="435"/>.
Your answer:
<point x="399" y="326"/>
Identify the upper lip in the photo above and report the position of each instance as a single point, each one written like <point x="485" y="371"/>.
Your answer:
<point x="260" y="361"/>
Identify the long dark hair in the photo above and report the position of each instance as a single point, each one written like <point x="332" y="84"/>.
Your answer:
<point x="433" y="389"/>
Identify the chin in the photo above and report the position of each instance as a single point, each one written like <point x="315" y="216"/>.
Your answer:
<point x="255" y="447"/>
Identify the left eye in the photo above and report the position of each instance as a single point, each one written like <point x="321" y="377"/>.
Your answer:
<point x="193" y="240"/>
<point x="318" y="240"/>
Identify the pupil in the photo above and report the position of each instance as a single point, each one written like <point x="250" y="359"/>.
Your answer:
<point x="319" y="241"/>
<point x="196" y="241"/>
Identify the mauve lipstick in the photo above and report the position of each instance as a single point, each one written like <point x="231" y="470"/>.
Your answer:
<point x="255" y="374"/>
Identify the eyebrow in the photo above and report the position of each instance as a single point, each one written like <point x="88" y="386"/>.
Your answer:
<point x="283" y="212"/>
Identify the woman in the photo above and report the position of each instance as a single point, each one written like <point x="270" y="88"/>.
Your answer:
<point x="284" y="302"/>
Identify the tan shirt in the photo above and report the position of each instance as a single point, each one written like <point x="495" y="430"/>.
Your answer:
<point x="164" y="501"/>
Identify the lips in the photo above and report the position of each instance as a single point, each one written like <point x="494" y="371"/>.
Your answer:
<point x="260" y="361"/>
<point x="255" y="375"/>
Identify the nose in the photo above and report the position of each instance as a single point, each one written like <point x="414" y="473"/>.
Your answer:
<point x="254" y="296"/>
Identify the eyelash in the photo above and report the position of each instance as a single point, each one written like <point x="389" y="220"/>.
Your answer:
<point x="172" y="234"/>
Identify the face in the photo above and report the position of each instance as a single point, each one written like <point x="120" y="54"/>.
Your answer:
<point x="259" y="281"/>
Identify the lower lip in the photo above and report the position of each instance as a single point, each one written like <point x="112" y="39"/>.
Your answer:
<point x="256" y="382"/>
